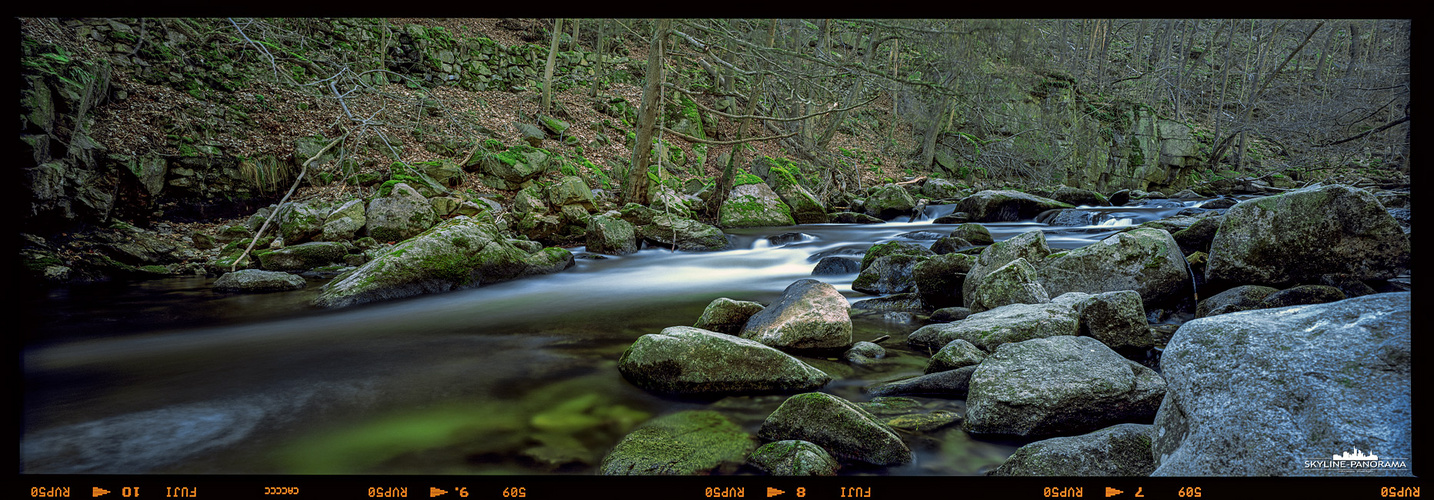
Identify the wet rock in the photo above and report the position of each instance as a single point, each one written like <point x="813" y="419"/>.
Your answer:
<point x="952" y="218"/>
<point x="793" y="458"/>
<point x="899" y="302"/>
<point x="344" y="222"/>
<point x="1300" y="235"/>
<point x="921" y="235"/>
<point x="955" y="354"/>
<point x="1030" y="245"/>
<point x="459" y="253"/>
<point x="947" y="384"/>
<point x="924" y="422"/>
<point x="1006" y="206"/>
<point x="784" y="238"/>
<point x="949" y="314"/>
<point x="894" y="405"/>
<point x="892" y="248"/>
<point x="302" y="257"/>
<point x="1118" y="450"/>
<point x="974" y="233"/>
<point x="852" y="218"/>
<point x="940" y="189"/>
<point x="258" y="281"/>
<point x="1219" y="203"/>
<point x="1078" y="196"/>
<point x="1350" y="286"/>
<point x="888" y="274"/>
<point x="989" y="329"/>
<point x="1197" y="237"/>
<point x="938" y="279"/>
<point x="1240" y="298"/>
<point x="680" y="444"/>
<point x="1266" y="390"/>
<point x="1060" y="385"/>
<point x="1303" y="294"/>
<point x="687" y="360"/>
<point x="724" y="315"/>
<point x="838" y="426"/>
<point x="691" y="235"/>
<point x="949" y="244"/>
<point x="810" y="314"/>
<point x="835" y="265"/>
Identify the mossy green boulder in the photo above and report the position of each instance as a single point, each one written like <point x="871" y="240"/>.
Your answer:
<point x="755" y="205"/>
<point x="686" y="443"/>
<point x="688" y="360"/>
<point x="1118" y="450"/>
<point x="793" y="457"/>
<point x="839" y="426"/>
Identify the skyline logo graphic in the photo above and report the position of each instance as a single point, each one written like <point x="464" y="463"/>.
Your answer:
<point x="1357" y="455"/>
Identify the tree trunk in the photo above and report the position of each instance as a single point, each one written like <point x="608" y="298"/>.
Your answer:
<point x="601" y="53"/>
<point x="724" y="183"/>
<point x="637" y="184"/>
<point x="548" y="69"/>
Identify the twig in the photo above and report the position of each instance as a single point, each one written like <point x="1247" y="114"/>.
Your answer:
<point x="304" y="169"/>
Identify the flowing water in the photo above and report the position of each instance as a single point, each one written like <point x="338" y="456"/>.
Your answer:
<point x="167" y="376"/>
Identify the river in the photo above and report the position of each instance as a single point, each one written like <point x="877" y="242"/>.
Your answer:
<point x="168" y="376"/>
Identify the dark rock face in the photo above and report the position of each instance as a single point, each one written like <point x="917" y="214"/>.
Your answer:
<point x="1267" y="390"/>
<point x="832" y="265"/>
<point x="1006" y="206"/>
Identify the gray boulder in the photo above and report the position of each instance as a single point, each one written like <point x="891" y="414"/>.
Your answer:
<point x="793" y="458"/>
<point x="687" y="360"/>
<point x="836" y="264"/>
<point x="974" y="233"/>
<point x="459" y="253"/>
<point x="1303" y="294"/>
<point x="302" y="257"/>
<point x="344" y="222"/>
<point x="1061" y="385"/>
<point x="947" y="384"/>
<point x="571" y="190"/>
<point x="1014" y="283"/>
<point x="1268" y="391"/>
<point x="755" y="205"/>
<point x="399" y="216"/>
<point x="680" y="444"/>
<point x="842" y="428"/>
<point x="955" y="354"/>
<point x="938" y="279"/>
<point x="892" y="248"/>
<point x="724" y="315"/>
<point x="989" y="329"/>
<point x="1117" y="319"/>
<point x="301" y="222"/>
<point x="1118" y="450"/>
<point x="1145" y="260"/>
<point x="810" y="314"/>
<point x="258" y="281"/>
<point x="691" y="235"/>
<point x="1298" y="236"/>
<point x="1030" y="245"/>
<point x="887" y="201"/>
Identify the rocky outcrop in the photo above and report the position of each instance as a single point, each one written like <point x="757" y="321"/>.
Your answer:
<point x="1296" y="237"/>
<point x="687" y="360"/>
<point x="842" y="428"/>
<point x="459" y="253"/>
<point x="680" y="444"/>
<point x="1061" y="385"/>
<point x="810" y="314"/>
<point x="1268" y="390"/>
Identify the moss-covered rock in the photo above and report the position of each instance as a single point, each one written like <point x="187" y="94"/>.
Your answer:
<point x="258" y="281"/>
<point x="887" y="201"/>
<point x="989" y="329"/>
<point x="793" y="458"/>
<point x="610" y="235"/>
<point x="1117" y="319"/>
<point x="690" y="234"/>
<point x="724" y="315"/>
<point x="687" y="360"/>
<point x="889" y="274"/>
<point x="1014" y="283"/>
<point x="1030" y="245"/>
<point x="810" y="314"/>
<point x="301" y="257"/>
<point x="400" y="215"/>
<point x="344" y="222"/>
<point x="892" y="248"/>
<point x="955" y="354"/>
<point x="680" y="444"/>
<point x="1118" y="450"/>
<point x="754" y="205"/>
<point x="938" y="279"/>
<point x="842" y="428"/>
<point x="1240" y="298"/>
<point x="1145" y="260"/>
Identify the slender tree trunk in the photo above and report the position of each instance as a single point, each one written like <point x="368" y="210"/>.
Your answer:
<point x="724" y="183"/>
<point x="548" y="69"/>
<point x="637" y="184"/>
<point x="601" y="54"/>
<point x="1224" y="85"/>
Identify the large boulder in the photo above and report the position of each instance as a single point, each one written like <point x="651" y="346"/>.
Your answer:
<point x="343" y="222"/>
<point x="938" y="279"/>
<point x="955" y="354"/>
<point x="1118" y="450"/>
<point x="724" y="315"/>
<point x="974" y="233"/>
<point x="258" y="281"/>
<point x="887" y="201"/>
<point x="1240" y="298"/>
<point x="399" y="216"/>
<point x="754" y="205"/>
<point x="947" y="384"/>
<point x="1117" y="319"/>
<point x="301" y="222"/>
<point x="1030" y="245"/>
<point x="1145" y="260"/>
<point x="806" y="208"/>
<point x="459" y="253"/>
<point x="571" y="190"/>
<point x="1296" y="237"/>
<point x="611" y="235"/>
<point x="892" y="248"/>
<point x="1061" y="385"/>
<point x="1270" y="391"/>
<point x="842" y="428"/>
<point x="810" y="314"/>
<point x="687" y="360"/>
<point x="888" y="274"/>
<point x="691" y="235"/>
<point x="685" y="443"/>
<point x="989" y="329"/>
<point x="1006" y="206"/>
